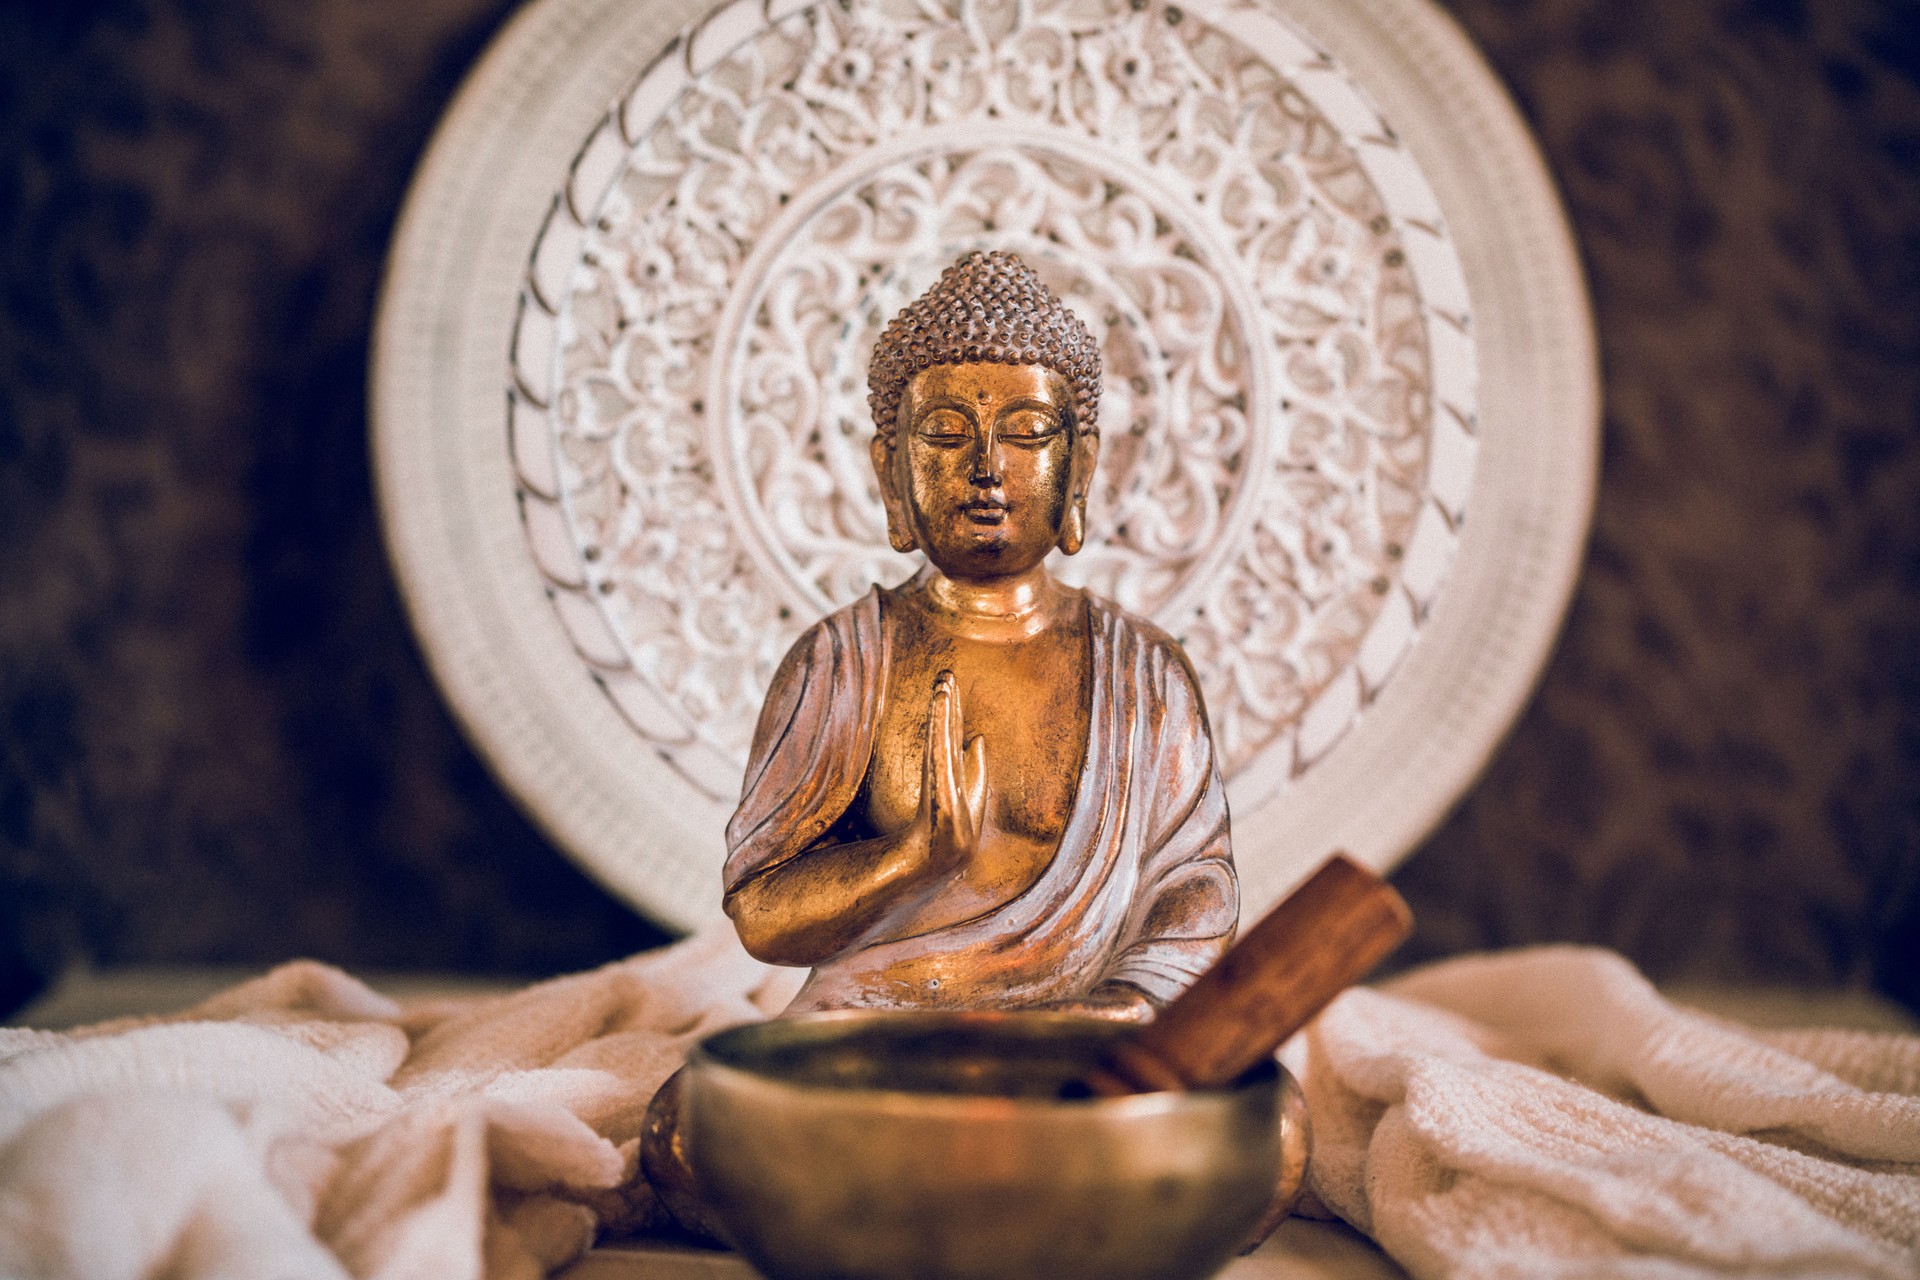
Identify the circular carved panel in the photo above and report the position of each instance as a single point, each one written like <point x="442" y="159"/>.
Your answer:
<point x="1291" y="420"/>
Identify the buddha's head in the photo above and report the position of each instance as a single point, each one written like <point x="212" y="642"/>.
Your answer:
<point x="984" y="392"/>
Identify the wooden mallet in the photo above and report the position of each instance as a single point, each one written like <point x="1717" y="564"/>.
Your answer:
<point x="1326" y="936"/>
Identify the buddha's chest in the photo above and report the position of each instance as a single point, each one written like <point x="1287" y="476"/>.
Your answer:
<point x="1027" y="699"/>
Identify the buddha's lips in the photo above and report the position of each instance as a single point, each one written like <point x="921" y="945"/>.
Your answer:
<point x="984" y="511"/>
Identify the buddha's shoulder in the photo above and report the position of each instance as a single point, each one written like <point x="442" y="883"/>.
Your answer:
<point x="1158" y="646"/>
<point x="854" y="627"/>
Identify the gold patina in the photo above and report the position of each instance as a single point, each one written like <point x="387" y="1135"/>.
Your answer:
<point x="924" y="771"/>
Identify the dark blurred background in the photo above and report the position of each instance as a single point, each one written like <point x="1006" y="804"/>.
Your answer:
<point x="218" y="743"/>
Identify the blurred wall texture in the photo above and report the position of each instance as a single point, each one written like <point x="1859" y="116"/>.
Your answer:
<point x="218" y="742"/>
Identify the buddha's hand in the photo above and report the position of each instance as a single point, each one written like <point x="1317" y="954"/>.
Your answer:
<point x="953" y="782"/>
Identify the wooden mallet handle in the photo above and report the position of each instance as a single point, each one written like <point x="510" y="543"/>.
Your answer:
<point x="1326" y="936"/>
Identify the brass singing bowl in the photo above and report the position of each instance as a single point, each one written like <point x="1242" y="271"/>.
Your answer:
<point x="935" y="1145"/>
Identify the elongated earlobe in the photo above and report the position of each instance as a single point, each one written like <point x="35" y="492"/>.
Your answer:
<point x="1086" y="456"/>
<point x="899" y="525"/>
<point x="1073" y="529"/>
<point x="899" y="536"/>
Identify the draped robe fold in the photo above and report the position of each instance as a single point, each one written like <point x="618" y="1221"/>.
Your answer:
<point x="1141" y="889"/>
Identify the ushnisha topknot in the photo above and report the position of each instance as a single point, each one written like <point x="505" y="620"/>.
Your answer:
<point x="987" y="308"/>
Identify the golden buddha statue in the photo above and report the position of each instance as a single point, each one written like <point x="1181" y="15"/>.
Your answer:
<point x="981" y="788"/>
<point x="984" y="787"/>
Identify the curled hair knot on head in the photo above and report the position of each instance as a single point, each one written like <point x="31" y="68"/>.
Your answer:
<point x="989" y="307"/>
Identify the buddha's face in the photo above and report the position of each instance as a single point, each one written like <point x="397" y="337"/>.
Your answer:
<point x="984" y="466"/>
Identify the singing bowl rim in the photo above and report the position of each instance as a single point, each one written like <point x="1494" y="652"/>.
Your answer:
<point x="727" y="1053"/>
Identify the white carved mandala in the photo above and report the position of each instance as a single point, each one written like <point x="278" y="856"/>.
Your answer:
<point x="1289" y="401"/>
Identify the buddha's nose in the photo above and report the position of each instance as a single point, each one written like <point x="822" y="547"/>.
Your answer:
<point x="986" y="458"/>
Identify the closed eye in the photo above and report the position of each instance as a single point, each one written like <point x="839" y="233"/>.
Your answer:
<point x="944" y="426"/>
<point x="1029" y="424"/>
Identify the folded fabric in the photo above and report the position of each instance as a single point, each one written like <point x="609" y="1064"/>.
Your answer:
<point x="1541" y="1113"/>
<point x="304" y="1127"/>
<point x="1546" y="1113"/>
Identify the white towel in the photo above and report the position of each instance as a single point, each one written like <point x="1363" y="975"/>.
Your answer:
<point x="1536" y="1114"/>
<point x="1546" y="1113"/>
<point x="303" y="1126"/>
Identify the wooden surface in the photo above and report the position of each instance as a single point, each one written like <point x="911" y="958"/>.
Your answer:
<point x="1299" y="1250"/>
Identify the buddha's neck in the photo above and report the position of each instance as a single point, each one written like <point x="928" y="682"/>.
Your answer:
<point x="1022" y="604"/>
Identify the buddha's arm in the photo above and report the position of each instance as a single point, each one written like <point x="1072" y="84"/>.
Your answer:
<point x="1182" y="917"/>
<point x="811" y="907"/>
<point x="1189" y="899"/>
<point x="818" y="904"/>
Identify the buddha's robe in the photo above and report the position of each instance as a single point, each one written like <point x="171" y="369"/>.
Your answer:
<point x="1141" y="889"/>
